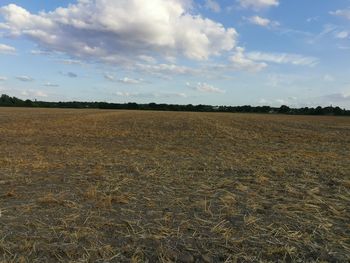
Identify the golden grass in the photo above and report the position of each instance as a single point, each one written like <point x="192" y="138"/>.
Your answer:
<point x="127" y="186"/>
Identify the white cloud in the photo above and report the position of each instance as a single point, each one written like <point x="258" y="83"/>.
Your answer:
<point x="166" y="70"/>
<point x="283" y="58"/>
<point x="327" y="30"/>
<point x="239" y="61"/>
<point x="341" y="12"/>
<point x="260" y="21"/>
<point x="262" y="101"/>
<point x="281" y="101"/>
<point x="290" y="101"/>
<point x="124" y="80"/>
<point x="25" y="78"/>
<point x="258" y="4"/>
<point x="204" y="87"/>
<point x="127" y="80"/>
<point x="5" y="49"/>
<point x="213" y="5"/>
<point x="4" y="26"/>
<point x="41" y="94"/>
<point x="171" y="95"/>
<point x="40" y="52"/>
<point x="70" y="61"/>
<point x="33" y="93"/>
<point x="120" y="31"/>
<point x="150" y="95"/>
<point x="312" y="19"/>
<point x="49" y="84"/>
<point x="342" y="34"/>
<point x="3" y="78"/>
<point x="126" y="94"/>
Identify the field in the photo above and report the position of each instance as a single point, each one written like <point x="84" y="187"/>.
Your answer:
<point x="133" y="186"/>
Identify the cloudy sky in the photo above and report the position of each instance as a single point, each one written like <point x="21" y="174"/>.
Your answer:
<point x="220" y="52"/>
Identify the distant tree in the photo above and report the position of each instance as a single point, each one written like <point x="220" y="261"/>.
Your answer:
<point x="7" y="101"/>
<point x="319" y="111"/>
<point x="338" y="111"/>
<point x="284" y="109"/>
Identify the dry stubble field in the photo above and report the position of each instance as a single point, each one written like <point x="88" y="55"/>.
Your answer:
<point x="132" y="186"/>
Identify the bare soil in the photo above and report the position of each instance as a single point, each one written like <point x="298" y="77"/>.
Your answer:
<point x="133" y="186"/>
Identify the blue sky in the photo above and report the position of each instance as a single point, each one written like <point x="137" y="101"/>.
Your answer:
<point x="228" y="52"/>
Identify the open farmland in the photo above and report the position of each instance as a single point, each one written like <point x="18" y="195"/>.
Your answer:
<point x="133" y="186"/>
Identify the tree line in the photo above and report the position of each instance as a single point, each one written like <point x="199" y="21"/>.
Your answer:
<point x="8" y="101"/>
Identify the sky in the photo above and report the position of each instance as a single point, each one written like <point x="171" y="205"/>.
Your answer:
<point x="218" y="52"/>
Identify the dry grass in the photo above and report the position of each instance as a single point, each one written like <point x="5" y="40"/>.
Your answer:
<point x="123" y="186"/>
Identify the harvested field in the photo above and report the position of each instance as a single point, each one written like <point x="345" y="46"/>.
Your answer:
<point x="132" y="186"/>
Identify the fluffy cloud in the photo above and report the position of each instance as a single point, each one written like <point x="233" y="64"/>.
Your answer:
<point x="341" y="12"/>
<point x="5" y="49"/>
<point x="258" y="4"/>
<point x="204" y="87"/>
<point x="260" y="21"/>
<point x="3" y="78"/>
<point x="283" y="58"/>
<point x="127" y="80"/>
<point x="120" y="31"/>
<point x="25" y="78"/>
<point x="342" y="34"/>
<point x="239" y="61"/>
